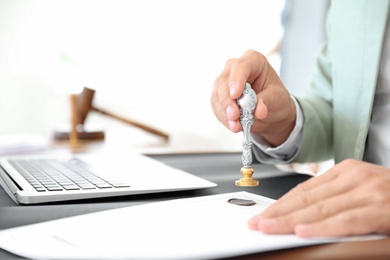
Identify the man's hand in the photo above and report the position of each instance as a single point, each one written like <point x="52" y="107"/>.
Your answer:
<point x="275" y="113"/>
<point x="352" y="198"/>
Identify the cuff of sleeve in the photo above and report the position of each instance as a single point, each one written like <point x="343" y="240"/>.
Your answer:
<point x="284" y="152"/>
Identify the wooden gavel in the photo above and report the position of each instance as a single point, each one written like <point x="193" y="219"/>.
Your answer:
<point x="81" y="105"/>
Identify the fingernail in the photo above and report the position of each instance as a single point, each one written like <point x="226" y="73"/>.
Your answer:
<point x="232" y="88"/>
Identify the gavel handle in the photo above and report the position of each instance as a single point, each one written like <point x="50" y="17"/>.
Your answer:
<point x="131" y="122"/>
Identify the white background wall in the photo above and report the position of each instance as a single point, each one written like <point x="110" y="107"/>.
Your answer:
<point x="150" y="60"/>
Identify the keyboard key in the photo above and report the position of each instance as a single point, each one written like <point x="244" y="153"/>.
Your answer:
<point x="87" y="186"/>
<point x="71" y="187"/>
<point x="119" y="184"/>
<point x="54" y="188"/>
<point x="103" y="185"/>
<point x="54" y="175"/>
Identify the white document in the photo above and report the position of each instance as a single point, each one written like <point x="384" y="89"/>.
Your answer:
<point x="196" y="228"/>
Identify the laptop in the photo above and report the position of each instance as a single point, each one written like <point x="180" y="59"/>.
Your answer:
<point x="35" y="179"/>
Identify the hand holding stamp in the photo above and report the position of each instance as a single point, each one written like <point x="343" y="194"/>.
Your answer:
<point x="247" y="103"/>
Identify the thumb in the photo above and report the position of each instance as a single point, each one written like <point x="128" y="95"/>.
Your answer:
<point x="274" y="101"/>
<point x="261" y="110"/>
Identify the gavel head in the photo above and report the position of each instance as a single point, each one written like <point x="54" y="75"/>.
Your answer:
<point x="80" y="105"/>
<point x="84" y="104"/>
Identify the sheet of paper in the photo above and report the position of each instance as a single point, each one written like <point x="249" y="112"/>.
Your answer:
<point x="22" y="143"/>
<point x="195" y="228"/>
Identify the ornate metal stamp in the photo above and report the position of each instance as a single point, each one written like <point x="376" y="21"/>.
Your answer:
<point x="247" y="103"/>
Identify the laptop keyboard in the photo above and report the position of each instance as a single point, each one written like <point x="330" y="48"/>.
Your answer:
<point x="54" y="175"/>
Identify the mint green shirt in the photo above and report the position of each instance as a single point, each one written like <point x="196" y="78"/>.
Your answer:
<point x="337" y="105"/>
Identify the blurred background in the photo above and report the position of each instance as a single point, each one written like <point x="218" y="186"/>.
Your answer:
<point x="153" y="61"/>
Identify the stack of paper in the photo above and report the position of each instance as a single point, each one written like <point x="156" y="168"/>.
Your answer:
<point x="196" y="228"/>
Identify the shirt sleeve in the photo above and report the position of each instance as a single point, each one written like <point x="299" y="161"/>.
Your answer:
<point x="285" y="152"/>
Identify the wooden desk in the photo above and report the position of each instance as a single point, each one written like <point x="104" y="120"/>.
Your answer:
<point x="221" y="168"/>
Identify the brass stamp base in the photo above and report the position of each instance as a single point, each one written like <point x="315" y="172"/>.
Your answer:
<point x="247" y="179"/>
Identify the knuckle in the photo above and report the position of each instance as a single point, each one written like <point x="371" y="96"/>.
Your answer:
<point x="320" y="210"/>
<point x="351" y="164"/>
<point x="217" y="94"/>
<point x="354" y="169"/>
<point x="252" y="52"/>
<point x="348" y="164"/>
<point x="217" y="82"/>
<point x="305" y="199"/>
<point x="213" y="98"/>
<point x="238" y="62"/>
<point x="229" y="62"/>
<point x="213" y="101"/>
<point x="270" y="212"/>
<point x="345" y="219"/>
<point x="218" y="79"/>
<point x="301" y="188"/>
<point x="379" y="193"/>
<point x="377" y="186"/>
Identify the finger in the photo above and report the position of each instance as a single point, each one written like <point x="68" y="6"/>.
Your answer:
<point x="278" y="102"/>
<point x="318" y="211"/>
<point x="224" y="107"/>
<point x="312" y="183"/>
<point x="345" y="171"/>
<point x="275" y="118"/>
<point x="245" y="69"/>
<point x="328" y="208"/>
<point x="358" y="221"/>
<point x="320" y="194"/>
<point x="234" y="126"/>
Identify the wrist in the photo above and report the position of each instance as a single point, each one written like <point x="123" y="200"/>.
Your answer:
<point x="280" y="132"/>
